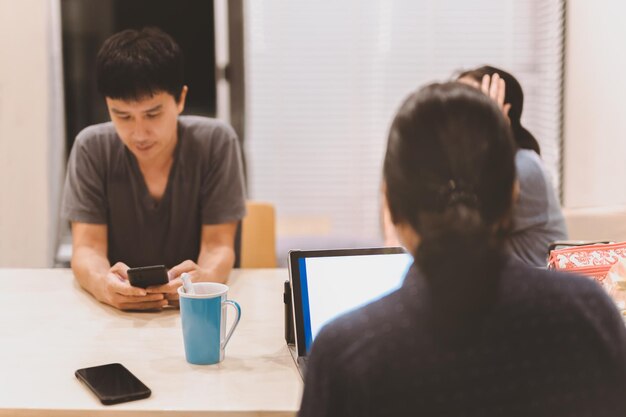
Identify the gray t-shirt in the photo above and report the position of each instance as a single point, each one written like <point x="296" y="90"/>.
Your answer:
<point x="205" y="186"/>
<point x="538" y="220"/>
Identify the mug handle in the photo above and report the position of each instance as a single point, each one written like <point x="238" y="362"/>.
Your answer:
<point x="232" y="329"/>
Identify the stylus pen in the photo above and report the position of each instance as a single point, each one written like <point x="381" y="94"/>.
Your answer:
<point x="187" y="283"/>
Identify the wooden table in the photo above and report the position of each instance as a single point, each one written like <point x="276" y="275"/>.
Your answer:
<point x="49" y="327"/>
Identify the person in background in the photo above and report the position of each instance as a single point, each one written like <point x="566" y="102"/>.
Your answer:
<point x="537" y="217"/>
<point x="151" y="186"/>
<point x="472" y="331"/>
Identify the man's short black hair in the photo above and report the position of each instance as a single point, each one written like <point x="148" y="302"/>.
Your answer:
<point x="135" y="64"/>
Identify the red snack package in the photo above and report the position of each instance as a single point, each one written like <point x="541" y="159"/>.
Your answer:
<point x="593" y="261"/>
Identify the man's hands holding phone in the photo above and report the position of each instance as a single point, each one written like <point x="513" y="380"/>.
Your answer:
<point x="120" y="294"/>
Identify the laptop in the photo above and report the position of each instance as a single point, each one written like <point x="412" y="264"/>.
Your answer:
<point x="328" y="283"/>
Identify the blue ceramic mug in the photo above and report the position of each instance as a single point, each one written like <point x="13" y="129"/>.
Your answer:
<point x="203" y="316"/>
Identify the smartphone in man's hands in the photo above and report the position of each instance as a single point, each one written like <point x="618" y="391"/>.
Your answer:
<point x="148" y="276"/>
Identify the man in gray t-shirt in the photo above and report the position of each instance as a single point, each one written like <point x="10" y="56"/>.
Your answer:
<point x="151" y="186"/>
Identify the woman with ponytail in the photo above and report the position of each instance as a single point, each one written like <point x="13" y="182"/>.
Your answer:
<point x="537" y="217"/>
<point x="472" y="331"/>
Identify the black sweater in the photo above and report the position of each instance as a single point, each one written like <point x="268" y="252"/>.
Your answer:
<point x="551" y="345"/>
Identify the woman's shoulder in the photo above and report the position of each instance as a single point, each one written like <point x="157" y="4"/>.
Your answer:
<point x="516" y="273"/>
<point x="551" y="290"/>
<point x="530" y="167"/>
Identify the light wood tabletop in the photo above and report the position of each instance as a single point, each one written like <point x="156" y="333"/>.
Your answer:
<point x="50" y="327"/>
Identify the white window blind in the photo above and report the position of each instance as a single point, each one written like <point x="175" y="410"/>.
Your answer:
<point x="325" y="78"/>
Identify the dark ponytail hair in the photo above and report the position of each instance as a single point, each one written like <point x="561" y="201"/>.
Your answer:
<point x="515" y="97"/>
<point x="449" y="173"/>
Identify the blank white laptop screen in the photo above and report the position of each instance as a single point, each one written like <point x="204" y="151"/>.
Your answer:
<point x="331" y="286"/>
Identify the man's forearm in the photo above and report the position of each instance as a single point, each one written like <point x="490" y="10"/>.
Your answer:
<point x="217" y="263"/>
<point x="90" y="268"/>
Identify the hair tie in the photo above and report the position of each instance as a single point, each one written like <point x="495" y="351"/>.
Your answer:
<point x="455" y="194"/>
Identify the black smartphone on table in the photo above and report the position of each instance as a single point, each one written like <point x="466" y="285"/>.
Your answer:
<point x="113" y="383"/>
<point x="147" y="276"/>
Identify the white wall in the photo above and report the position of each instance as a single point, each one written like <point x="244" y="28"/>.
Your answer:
<point x="324" y="79"/>
<point x="26" y="202"/>
<point x="595" y="103"/>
